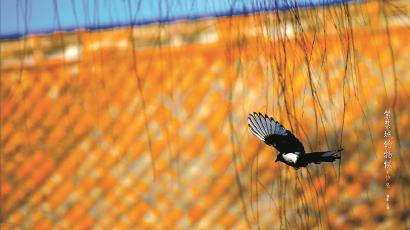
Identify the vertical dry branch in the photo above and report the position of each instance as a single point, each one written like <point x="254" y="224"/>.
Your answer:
<point x="356" y="79"/>
<point x="140" y="92"/>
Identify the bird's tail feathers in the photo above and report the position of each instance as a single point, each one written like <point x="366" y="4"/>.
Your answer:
<point x="335" y="153"/>
<point x="327" y="156"/>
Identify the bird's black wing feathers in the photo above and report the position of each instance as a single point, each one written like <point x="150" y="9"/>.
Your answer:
<point x="274" y="134"/>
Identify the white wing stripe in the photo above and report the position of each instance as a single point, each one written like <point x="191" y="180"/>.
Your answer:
<point x="269" y="124"/>
<point x="274" y="127"/>
<point x="256" y="127"/>
<point x="278" y="129"/>
<point x="265" y="126"/>
<point x="260" y="126"/>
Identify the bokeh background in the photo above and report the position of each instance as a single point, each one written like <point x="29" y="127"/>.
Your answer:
<point x="144" y="125"/>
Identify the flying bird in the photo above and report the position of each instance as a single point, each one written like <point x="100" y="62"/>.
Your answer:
<point x="291" y="150"/>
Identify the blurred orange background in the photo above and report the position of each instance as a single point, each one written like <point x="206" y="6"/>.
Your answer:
<point x="146" y="127"/>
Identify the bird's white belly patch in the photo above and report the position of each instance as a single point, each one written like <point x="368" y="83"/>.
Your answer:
<point x="290" y="157"/>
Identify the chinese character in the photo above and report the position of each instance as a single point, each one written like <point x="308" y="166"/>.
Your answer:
<point x="388" y="155"/>
<point x="387" y="164"/>
<point x="387" y="143"/>
<point x="388" y="185"/>
<point x="387" y="124"/>
<point x="387" y="133"/>
<point x="388" y="177"/>
<point x="387" y="113"/>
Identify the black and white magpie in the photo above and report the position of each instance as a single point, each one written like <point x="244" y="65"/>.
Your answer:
<point x="291" y="150"/>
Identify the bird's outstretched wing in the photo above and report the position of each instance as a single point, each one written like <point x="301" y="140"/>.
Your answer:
<point x="274" y="134"/>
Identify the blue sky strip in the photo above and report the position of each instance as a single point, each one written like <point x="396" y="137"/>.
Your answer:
<point x="19" y="18"/>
